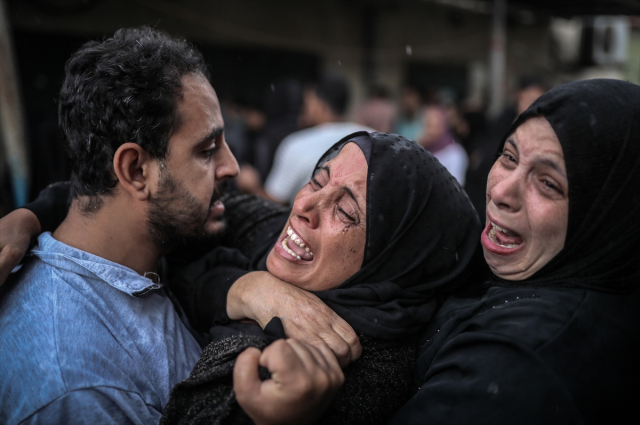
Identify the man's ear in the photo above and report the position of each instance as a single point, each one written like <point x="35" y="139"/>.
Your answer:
<point x="135" y="169"/>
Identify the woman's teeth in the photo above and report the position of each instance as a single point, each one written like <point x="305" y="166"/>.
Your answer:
<point x="298" y="241"/>
<point x="492" y="236"/>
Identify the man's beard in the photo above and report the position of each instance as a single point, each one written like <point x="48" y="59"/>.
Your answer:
<point x="175" y="216"/>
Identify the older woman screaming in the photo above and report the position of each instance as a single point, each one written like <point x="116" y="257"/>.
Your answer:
<point x="380" y="232"/>
<point x="552" y="337"/>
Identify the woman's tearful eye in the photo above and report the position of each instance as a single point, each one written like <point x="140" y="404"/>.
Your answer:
<point x="349" y="218"/>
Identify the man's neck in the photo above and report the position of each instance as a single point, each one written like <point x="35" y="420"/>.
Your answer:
<point x="116" y="232"/>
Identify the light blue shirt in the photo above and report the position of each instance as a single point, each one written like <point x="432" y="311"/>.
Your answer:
<point x="79" y="344"/>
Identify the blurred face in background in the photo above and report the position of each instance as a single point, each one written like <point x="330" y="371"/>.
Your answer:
<point x="313" y="109"/>
<point x="527" y="96"/>
<point x="410" y="101"/>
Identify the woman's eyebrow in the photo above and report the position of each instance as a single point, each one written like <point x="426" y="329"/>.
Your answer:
<point x="346" y="189"/>
<point x="552" y="164"/>
<point x="512" y="143"/>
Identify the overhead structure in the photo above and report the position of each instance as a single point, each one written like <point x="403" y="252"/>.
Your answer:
<point x="564" y="8"/>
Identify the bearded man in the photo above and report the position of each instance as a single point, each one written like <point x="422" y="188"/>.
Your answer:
<point x="89" y="333"/>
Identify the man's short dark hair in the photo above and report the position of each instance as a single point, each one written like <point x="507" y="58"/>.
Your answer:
<point x="334" y="91"/>
<point x="123" y="89"/>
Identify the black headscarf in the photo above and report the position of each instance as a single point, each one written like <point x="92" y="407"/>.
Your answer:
<point x="598" y="125"/>
<point x="422" y="232"/>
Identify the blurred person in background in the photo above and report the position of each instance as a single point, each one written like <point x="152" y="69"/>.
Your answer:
<point x="247" y="122"/>
<point x="324" y="107"/>
<point x="437" y="138"/>
<point x="410" y="120"/>
<point x="378" y="111"/>
<point x="484" y="145"/>
<point x="283" y="105"/>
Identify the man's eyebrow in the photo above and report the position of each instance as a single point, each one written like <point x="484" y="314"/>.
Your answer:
<point x="215" y="133"/>
<point x="327" y="169"/>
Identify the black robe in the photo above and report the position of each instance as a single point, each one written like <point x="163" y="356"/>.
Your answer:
<point x="562" y="346"/>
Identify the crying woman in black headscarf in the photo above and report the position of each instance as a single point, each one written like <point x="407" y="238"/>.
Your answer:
<point x="380" y="233"/>
<point x="555" y="337"/>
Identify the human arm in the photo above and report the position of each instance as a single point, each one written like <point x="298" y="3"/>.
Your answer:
<point x="303" y="381"/>
<point x="18" y="227"/>
<point x="377" y="385"/>
<point x="260" y="296"/>
<point x="217" y="287"/>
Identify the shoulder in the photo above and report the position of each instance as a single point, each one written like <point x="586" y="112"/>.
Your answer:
<point x="481" y="364"/>
<point x="555" y="345"/>
<point x="529" y="316"/>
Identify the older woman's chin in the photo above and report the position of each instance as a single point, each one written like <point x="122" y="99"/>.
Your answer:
<point x="515" y="270"/>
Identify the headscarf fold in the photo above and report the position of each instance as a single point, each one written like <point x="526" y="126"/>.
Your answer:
<point x="598" y="125"/>
<point x="421" y="233"/>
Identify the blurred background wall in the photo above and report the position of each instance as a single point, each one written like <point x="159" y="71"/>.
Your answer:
<point x="462" y="52"/>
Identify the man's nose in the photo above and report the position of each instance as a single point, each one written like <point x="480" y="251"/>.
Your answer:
<point x="226" y="164"/>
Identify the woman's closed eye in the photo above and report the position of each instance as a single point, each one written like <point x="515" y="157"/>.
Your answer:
<point x="344" y="212"/>
<point x="346" y="217"/>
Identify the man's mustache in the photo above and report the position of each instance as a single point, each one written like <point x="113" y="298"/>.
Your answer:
<point x="219" y="191"/>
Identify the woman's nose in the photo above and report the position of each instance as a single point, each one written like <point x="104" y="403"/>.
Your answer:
<point x="506" y="191"/>
<point x="306" y="207"/>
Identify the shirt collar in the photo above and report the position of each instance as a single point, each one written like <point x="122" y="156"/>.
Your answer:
<point x="62" y="256"/>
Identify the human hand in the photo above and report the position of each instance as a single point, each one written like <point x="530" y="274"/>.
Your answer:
<point x="304" y="380"/>
<point x="16" y="230"/>
<point x="260" y="296"/>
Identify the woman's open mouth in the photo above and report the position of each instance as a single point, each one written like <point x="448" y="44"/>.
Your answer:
<point x="500" y="240"/>
<point x="296" y="247"/>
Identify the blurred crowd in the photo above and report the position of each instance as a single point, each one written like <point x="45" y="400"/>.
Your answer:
<point x="277" y="141"/>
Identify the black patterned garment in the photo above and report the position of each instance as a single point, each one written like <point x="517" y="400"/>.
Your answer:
<point x="422" y="233"/>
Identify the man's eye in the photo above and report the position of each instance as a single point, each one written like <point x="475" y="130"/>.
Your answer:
<point x="209" y="152"/>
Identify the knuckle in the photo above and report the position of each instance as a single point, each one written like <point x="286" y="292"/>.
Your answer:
<point x="339" y="347"/>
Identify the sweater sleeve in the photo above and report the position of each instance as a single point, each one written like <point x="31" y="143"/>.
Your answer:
<point x="376" y="385"/>
<point x="487" y="378"/>
<point x="51" y="206"/>
<point x="202" y="287"/>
